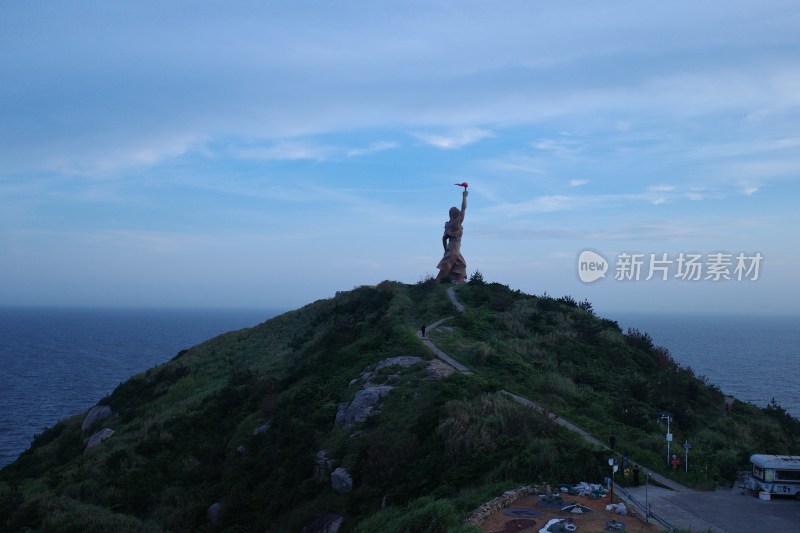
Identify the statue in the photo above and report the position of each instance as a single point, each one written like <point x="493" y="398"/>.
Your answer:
<point x="452" y="266"/>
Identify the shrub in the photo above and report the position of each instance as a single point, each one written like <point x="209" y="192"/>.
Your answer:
<point x="476" y="279"/>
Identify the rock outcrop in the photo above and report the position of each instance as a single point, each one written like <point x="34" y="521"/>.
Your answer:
<point x="213" y="512"/>
<point x="260" y="429"/>
<point x="341" y="480"/>
<point x="97" y="438"/>
<point x="97" y="413"/>
<point x="438" y="369"/>
<point x="367" y="401"/>
<point x="363" y="405"/>
<point x="322" y="465"/>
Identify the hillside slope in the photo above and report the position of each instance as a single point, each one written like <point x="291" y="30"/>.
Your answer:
<point x="323" y="414"/>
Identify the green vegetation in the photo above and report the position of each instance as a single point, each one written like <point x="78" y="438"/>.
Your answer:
<point x="556" y="351"/>
<point x="185" y="432"/>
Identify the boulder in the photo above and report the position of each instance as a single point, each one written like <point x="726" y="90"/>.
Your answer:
<point x="363" y="405"/>
<point x="213" y="512"/>
<point x="96" y="414"/>
<point x="341" y="481"/>
<point x="341" y="413"/>
<point x="438" y="369"/>
<point x="404" y="361"/>
<point x="322" y="464"/>
<point x="97" y="438"/>
<point x="260" y="429"/>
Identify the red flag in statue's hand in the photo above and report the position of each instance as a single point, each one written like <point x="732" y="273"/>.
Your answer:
<point x="463" y="184"/>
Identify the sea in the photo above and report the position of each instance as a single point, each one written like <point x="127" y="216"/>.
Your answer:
<point x="57" y="362"/>
<point x="754" y="358"/>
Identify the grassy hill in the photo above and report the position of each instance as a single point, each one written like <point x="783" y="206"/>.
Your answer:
<point x="240" y="420"/>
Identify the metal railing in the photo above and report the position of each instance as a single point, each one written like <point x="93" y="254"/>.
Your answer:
<point x="630" y="498"/>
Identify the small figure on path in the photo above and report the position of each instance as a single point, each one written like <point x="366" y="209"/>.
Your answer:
<point x="613" y="441"/>
<point x="423" y="330"/>
<point x="635" y="475"/>
<point x="453" y="265"/>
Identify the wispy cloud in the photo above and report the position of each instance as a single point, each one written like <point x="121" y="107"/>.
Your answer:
<point x="661" y="188"/>
<point x="540" y="204"/>
<point x="558" y="147"/>
<point x="286" y="151"/>
<point x="578" y="183"/>
<point x="373" y="148"/>
<point x="454" y="139"/>
<point x="524" y="164"/>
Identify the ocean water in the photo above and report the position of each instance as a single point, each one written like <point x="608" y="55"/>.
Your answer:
<point x="753" y="358"/>
<point x="55" y="363"/>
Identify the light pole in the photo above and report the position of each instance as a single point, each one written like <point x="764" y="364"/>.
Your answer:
<point x="668" y="418"/>
<point x="612" y="463"/>
<point x="646" y="499"/>
<point x="687" y="447"/>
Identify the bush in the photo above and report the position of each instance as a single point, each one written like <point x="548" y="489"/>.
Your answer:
<point x="476" y="279"/>
<point x="424" y="515"/>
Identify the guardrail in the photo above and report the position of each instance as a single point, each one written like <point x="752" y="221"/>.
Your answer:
<point x="630" y="498"/>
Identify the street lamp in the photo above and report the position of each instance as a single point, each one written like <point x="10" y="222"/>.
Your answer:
<point x="686" y="447"/>
<point x="668" y="418"/>
<point x="613" y="464"/>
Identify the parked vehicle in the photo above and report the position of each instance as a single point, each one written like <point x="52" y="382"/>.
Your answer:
<point x="775" y="474"/>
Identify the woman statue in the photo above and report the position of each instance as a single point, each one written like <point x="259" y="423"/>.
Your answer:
<point x="452" y="264"/>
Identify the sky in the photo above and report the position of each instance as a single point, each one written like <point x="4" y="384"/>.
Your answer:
<point x="268" y="154"/>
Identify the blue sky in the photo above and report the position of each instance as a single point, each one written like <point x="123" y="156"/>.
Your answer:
<point x="268" y="154"/>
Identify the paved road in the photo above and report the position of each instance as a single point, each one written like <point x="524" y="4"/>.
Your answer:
<point x="721" y="511"/>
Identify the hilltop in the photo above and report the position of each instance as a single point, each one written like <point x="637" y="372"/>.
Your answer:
<point x="338" y="412"/>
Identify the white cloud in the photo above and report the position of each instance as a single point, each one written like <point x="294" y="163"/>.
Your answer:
<point x="661" y="188"/>
<point x="527" y="165"/>
<point x="561" y="148"/>
<point x="455" y="139"/>
<point x="375" y="147"/>
<point x="286" y="151"/>
<point x="540" y="204"/>
<point x="577" y="183"/>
